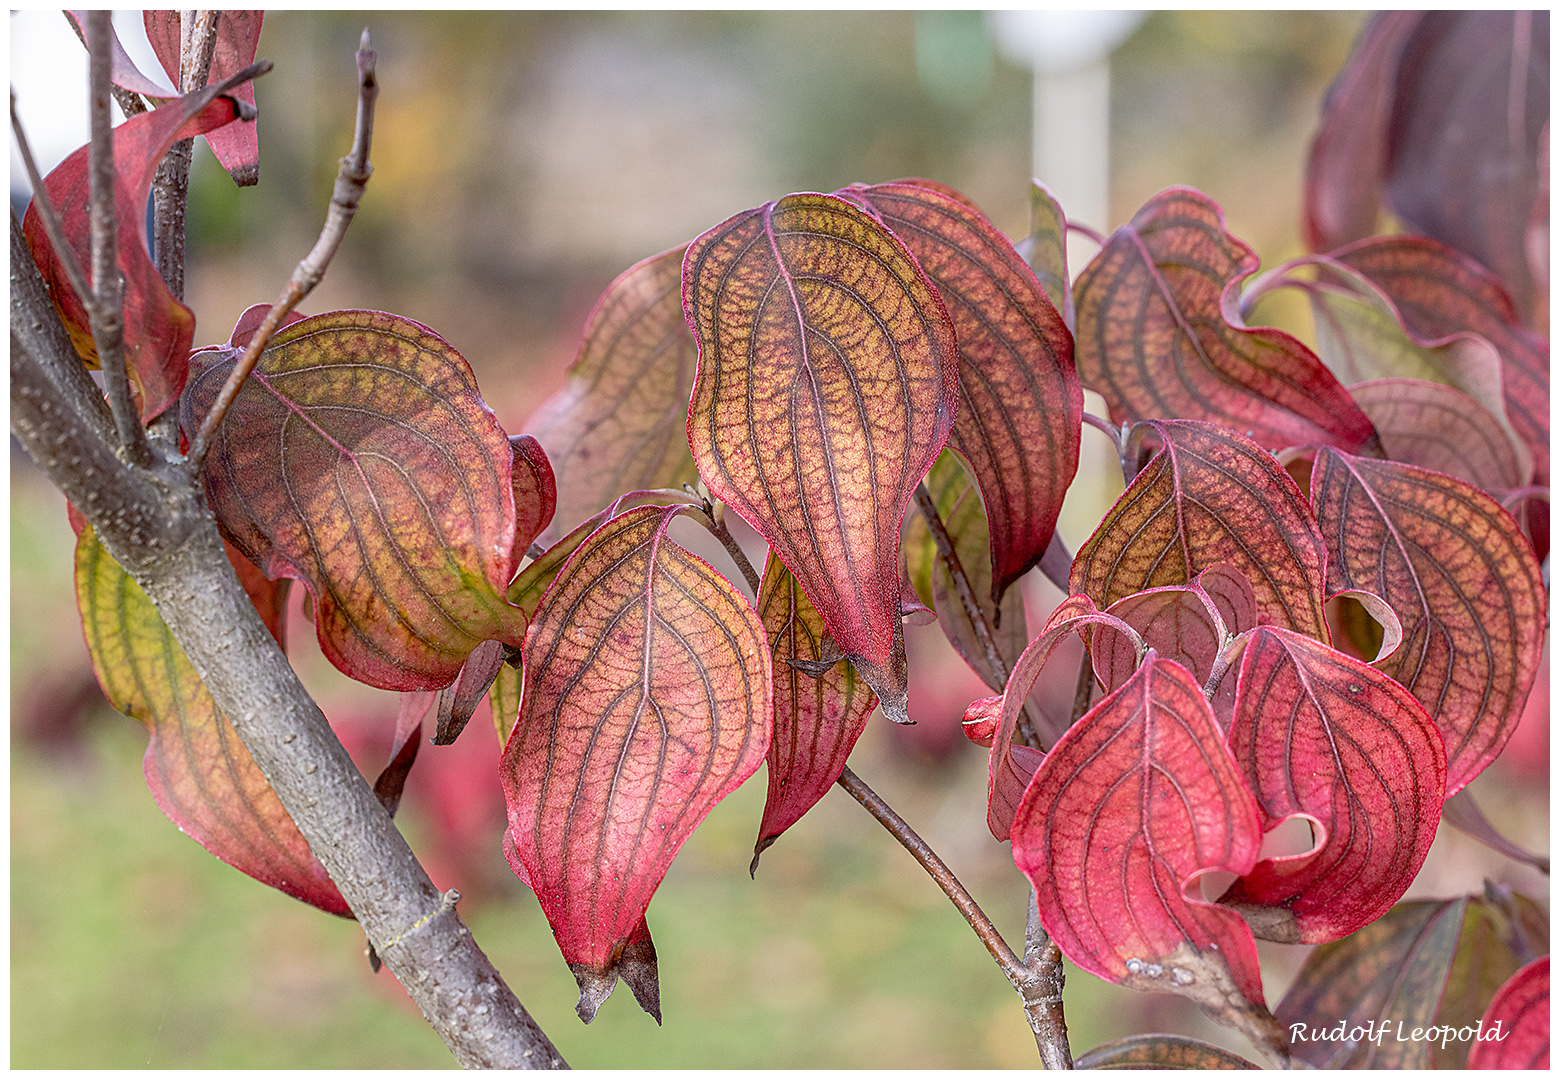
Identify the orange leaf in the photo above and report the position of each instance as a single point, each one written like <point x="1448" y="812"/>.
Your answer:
<point x="646" y="702"/>
<point x="1463" y="582"/>
<point x="1158" y="335"/>
<point x="1020" y="404"/>
<point x="827" y="384"/>
<point x="360" y="459"/>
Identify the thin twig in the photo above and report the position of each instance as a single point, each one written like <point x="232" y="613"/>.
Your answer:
<point x="351" y="179"/>
<point x="170" y="187"/>
<point x="49" y="216"/>
<point x="719" y="530"/>
<point x="984" y="929"/>
<point x="984" y="635"/>
<point x="106" y="307"/>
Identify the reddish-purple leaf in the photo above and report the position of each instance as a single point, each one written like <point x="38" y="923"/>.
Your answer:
<point x="1020" y="403"/>
<point x="238" y="36"/>
<point x="963" y="514"/>
<point x="1161" y="1052"/>
<point x="198" y="770"/>
<point x="123" y="71"/>
<point x="536" y="492"/>
<point x="1436" y="427"/>
<point x="1514" y="1033"/>
<point x="1010" y="766"/>
<point x="621" y="422"/>
<point x="411" y="710"/>
<point x="1463" y="582"/>
<point x="158" y="329"/>
<point x="360" y="459"/>
<point x="827" y="384"/>
<point x="817" y="719"/>
<point x="1468" y="117"/>
<point x="1211" y="496"/>
<point x="460" y="699"/>
<point x="1159" y="337"/>
<point x="1353" y="998"/>
<point x="1442" y="297"/>
<point x="1190" y="624"/>
<point x="1126" y="812"/>
<point x="1323" y="736"/>
<point x="647" y="701"/>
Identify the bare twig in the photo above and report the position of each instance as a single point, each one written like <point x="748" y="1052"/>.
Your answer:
<point x="106" y="307"/>
<point x="984" y="929"/>
<point x="721" y="532"/>
<point x="1037" y="977"/>
<point x="170" y="187"/>
<point x="351" y="179"/>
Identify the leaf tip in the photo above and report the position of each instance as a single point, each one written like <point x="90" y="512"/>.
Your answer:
<point x="635" y="962"/>
<point x="758" y="850"/>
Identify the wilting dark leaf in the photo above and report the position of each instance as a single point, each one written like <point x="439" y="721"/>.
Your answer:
<point x="1521" y="1009"/>
<point x="158" y="329"/>
<point x="1320" y="735"/>
<point x="1211" y="496"/>
<point x="198" y="770"/>
<point x="1020" y="404"/>
<point x="1158" y="336"/>
<point x="827" y="385"/>
<point x="1126" y="812"/>
<point x="647" y="701"/>
<point x="817" y="719"/>
<point x="1463" y="582"/>
<point x="238" y="36"/>
<point x="621" y="422"/>
<point x="1161" y="1052"/>
<point x="360" y="459"/>
<point x="1353" y="997"/>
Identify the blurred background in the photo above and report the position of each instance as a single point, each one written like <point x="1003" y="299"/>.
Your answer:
<point x="522" y="160"/>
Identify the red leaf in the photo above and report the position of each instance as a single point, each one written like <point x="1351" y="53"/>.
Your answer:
<point x="621" y="422"/>
<point x="1191" y="625"/>
<point x="1463" y="582"/>
<point x="827" y="385"/>
<point x="1158" y="335"/>
<point x="1127" y="810"/>
<point x="1521" y="1012"/>
<point x="1321" y="735"/>
<point x="1010" y="767"/>
<point x="360" y="459"/>
<point x="817" y="718"/>
<point x="536" y="492"/>
<point x="238" y="36"/>
<point x="197" y="768"/>
<point x="122" y="70"/>
<point x="1020" y="403"/>
<point x="647" y="701"/>
<point x="158" y="329"/>
<point x="1211" y="496"/>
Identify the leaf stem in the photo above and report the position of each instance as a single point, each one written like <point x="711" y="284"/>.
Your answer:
<point x="351" y="180"/>
<point x="1083" y="230"/>
<point x="105" y="303"/>
<point x="719" y="530"/>
<point x="1037" y="976"/>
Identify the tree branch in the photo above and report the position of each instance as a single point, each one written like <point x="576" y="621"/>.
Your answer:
<point x="1042" y="992"/>
<point x="351" y="179"/>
